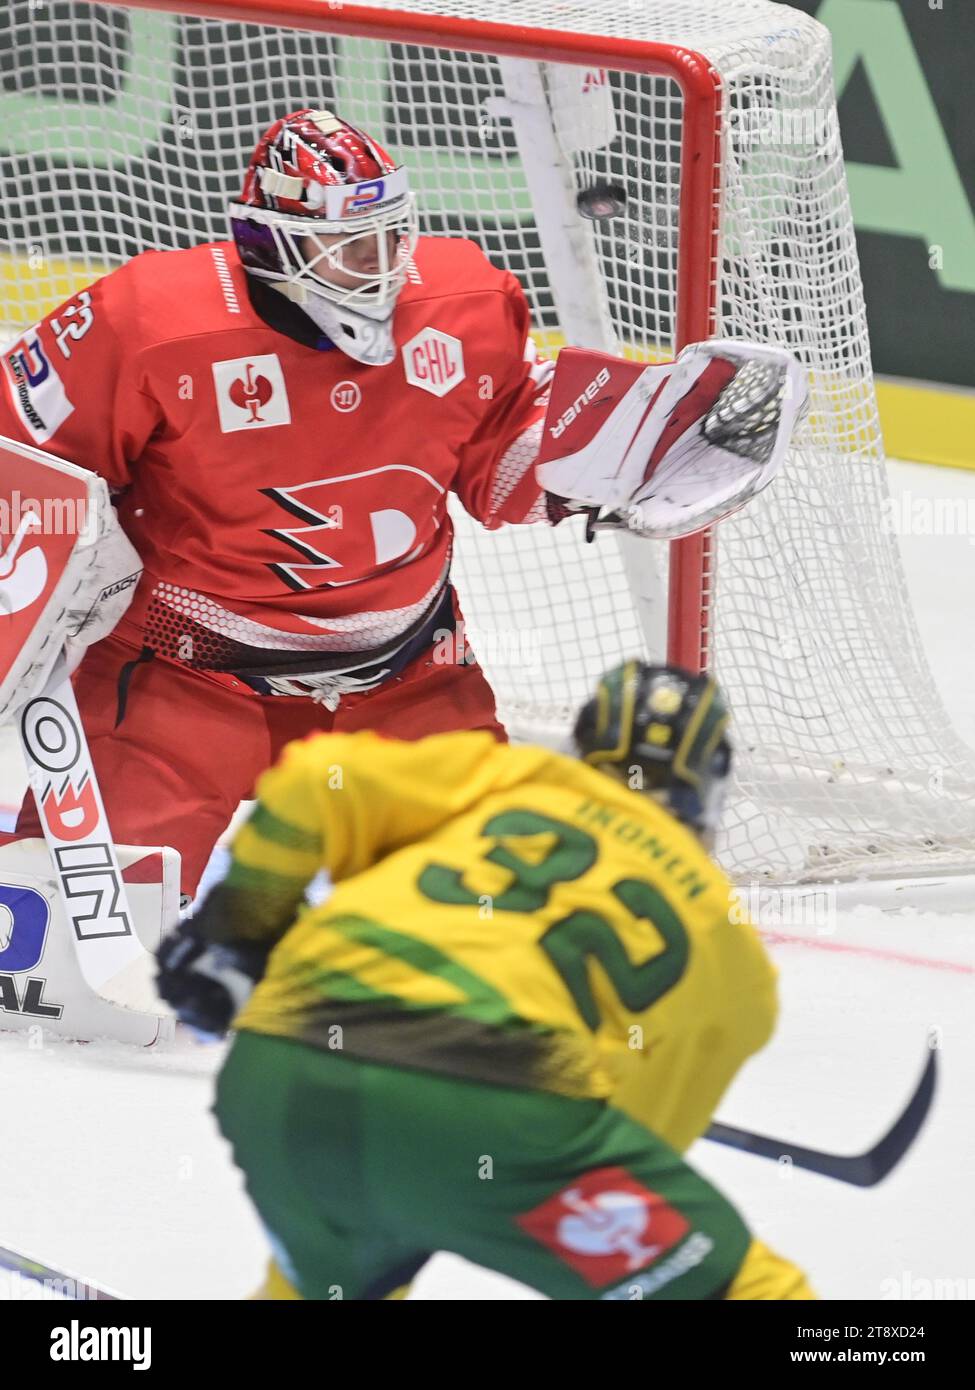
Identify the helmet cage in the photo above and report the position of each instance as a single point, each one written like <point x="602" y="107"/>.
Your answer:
<point x="273" y="246"/>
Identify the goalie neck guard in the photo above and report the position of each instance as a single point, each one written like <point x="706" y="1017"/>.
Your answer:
<point x="328" y="218"/>
<point x="662" y="731"/>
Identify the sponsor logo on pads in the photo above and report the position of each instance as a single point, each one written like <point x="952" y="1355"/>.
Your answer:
<point x="576" y="408"/>
<point x="25" y="916"/>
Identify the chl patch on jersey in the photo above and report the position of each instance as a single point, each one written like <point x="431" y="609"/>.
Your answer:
<point x="251" y="394"/>
<point x="434" y="361"/>
<point x="35" y="388"/>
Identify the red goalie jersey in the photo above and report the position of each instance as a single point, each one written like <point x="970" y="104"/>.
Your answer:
<point x="288" y="502"/>
<point x="289" y="506"/>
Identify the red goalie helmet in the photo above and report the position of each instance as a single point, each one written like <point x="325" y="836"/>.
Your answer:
<point x="327" y="215"/>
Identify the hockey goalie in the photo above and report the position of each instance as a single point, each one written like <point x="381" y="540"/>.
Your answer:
<point x="280" y="419"/>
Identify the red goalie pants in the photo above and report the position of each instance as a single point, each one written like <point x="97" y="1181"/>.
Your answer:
<point x="190" y="748"/>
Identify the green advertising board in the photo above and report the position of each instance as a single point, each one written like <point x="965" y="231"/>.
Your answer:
<point x="903" y="71"/>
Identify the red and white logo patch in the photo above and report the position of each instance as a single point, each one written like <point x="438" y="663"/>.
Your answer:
<point x="606" y="1225"/>
<point x="251" y="394"/>
<point x="346" y="396"/>
<point x="434" y="361"/>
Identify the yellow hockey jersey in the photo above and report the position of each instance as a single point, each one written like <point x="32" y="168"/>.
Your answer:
<point x="500" y="913"/>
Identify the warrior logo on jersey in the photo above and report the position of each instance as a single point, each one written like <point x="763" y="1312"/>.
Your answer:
<point x="434" y="361"/>
<point x="346" y="396"/>
<point x="251" y="394"/>
<point x="606" y="1225"/>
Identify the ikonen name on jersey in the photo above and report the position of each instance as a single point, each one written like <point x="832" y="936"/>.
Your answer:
<point x="580" y="402"/>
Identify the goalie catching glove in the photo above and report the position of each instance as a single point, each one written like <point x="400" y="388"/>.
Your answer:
<point x="664" y="451"/>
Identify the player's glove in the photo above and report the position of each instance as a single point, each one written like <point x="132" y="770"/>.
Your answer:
<point x="204" y="983"/>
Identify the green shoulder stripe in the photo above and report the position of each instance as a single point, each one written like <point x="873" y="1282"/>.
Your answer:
<point x="253" y="880"/>
<point x="282" y="832"/>
<point x="483" y="1002"/>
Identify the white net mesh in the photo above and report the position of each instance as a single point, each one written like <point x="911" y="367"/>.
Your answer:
<point x="123" y="129"/>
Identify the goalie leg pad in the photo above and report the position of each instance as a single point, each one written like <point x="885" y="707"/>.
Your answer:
<point x="186" y="753"/>
<point x="41" y="985"/>
<point x="68" y="585"/>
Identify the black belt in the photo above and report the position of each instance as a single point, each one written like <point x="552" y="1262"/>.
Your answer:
<point x="439" y="620"/>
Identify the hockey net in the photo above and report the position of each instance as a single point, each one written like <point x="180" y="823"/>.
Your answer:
<point x="126" y="127"/>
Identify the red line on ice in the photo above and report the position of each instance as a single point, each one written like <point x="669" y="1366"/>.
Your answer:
<point x="779" y="939"/>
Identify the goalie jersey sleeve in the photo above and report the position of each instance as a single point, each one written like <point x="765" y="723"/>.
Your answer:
<point x="496" y="478"/>
<point x="73" y="384"/>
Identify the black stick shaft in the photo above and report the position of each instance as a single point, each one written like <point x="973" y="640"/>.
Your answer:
<point x="862" y="1170"/>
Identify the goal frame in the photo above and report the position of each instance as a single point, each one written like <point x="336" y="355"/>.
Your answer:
<point x="691" y="560"/>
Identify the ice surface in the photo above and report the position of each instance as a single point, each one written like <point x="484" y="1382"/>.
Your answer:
<point x="112" y="1166"/>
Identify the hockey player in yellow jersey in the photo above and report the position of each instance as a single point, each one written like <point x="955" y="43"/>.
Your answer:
<point x="521" y="1003"/>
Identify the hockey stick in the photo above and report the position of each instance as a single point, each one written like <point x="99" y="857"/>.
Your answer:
<point x="862" y="1170"/>
<point x="54" y="1281"/>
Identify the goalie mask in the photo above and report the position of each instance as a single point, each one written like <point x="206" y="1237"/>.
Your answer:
<point x="327" y="217"/>
<point x="661" y="731"/>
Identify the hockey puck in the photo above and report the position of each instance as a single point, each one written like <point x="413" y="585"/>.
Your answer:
<point x="601" y="201"/>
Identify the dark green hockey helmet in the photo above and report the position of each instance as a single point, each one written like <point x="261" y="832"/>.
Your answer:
<point x="664" y="732"/>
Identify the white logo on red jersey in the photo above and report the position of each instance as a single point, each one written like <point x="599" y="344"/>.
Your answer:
<point x="607" y="1224"/>
<point x="340" y="517"/>
<point x="22" y="577"/>
<point x="251" y="394"/>
<point x="434" y="361"/>
<point x="346" y="396"/>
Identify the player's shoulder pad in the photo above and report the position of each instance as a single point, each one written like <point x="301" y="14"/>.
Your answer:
<point x="161" y="296"/>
